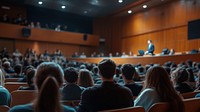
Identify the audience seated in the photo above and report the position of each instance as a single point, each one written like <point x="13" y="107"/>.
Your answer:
<point x="85" y="78"/>
<point x="7" y="68"/>
<point x="180" y="77"/>
<point x="128" y="72"/>
<point x="158" y="88"/>
<point x="18" y="72"/>
<point x="5" y="96"/>
<point x="108" y="95"/>
<point x="71" y="91"/>
<point x="48" y="79"/>
<point x="30" y="77"/>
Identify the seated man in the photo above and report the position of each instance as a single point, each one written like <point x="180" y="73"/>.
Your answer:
<point x="150" y="48"/>
<point x="128" y="72"/>
<point x="71" y="91"/>
<point x="108" y="95"/>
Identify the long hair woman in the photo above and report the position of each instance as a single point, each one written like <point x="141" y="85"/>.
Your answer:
<point x="48" y="79"/>
<point x="85" y="78"/>
<point x="158" y="88"/>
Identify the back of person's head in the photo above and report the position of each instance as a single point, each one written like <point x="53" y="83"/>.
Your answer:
<point x="18" y="68"/>
<point x="85" y="79"/>
<point x="198" y="66"/>
<point x="167" y="69"/>
<point x="128" y="71"/>
<point x="158" y="78"/>
<point x="71" y="75"/>
<point x="141" y="70"/>
<point x="6" y="64"/>
<point x="191" y="75"/>
<point x="118" y="72"/>
<point x="107" y="68"/>
<point x="180" y="75"/>
<point x="48" y="79"/>
<point x="189" y="63"/>
<point x="95" y="70"/>
<point x="30" y="76"/>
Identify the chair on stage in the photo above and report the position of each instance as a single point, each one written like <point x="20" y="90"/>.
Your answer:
<point x="20" y="97"/>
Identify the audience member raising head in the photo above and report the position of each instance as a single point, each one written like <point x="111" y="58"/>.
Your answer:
<point x="108" y="95"/>
<point x="48" y="79"/>
<point x="85" y="78"/>
<point x="158" y="88"/>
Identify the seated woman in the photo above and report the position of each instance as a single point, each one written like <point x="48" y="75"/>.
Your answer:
<point x="85" y="78"/>
<point x="48" y="79"/>
<point x="180" y="79"/>
<point x="158" y="88"/>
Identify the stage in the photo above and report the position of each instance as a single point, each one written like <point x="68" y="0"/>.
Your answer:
<point x="143" y="59"/>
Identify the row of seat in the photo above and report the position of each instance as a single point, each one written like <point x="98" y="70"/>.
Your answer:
<point x="12" y="86"/>
<point x="191" y="105"/>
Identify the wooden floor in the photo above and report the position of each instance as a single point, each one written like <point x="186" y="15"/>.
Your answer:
<point x="144" y="59"/>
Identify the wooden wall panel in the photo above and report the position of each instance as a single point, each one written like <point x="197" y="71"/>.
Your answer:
<point x="166" y="25"/>
<point x="40" y="47"/>
<point x="8" y="43"/>
<point x="15" y="32"/>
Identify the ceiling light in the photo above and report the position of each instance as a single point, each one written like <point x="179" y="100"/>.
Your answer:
<point x="63" y="6"/>
<point x="144" y="6"/>
<point x="40" y="2"/>
<point x="120" y="1"/>
<point x="129" y="11"/>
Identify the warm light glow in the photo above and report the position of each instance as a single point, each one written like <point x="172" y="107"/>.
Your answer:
<point x="144" y="6"/>
<point x="129" y="11"/>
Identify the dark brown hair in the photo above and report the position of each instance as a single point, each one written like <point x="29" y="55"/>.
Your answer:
<point x="85" y="78"/>
<point x="158" y="78"/>
<point x="49" y="77"/>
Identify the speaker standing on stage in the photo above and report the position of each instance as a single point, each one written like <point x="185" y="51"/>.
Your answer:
<point x="150" y="48"/>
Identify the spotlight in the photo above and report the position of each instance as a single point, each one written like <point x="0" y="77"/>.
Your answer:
<point x="40" y="2"/>
<point x="129" y="11"/>
<point x="63" y="7"/>
<point x="144" y="6"/>
<point x="120" y="1"/>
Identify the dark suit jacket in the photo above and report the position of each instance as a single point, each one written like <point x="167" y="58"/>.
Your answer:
<point x="135" y="88"/>
<point x="72" y="92"/>
<point x="106" y="96"/>
<point x="151" y="49"/>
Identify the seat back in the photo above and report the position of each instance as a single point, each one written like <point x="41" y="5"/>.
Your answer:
<point x="12" y="86"/>
<point x="11" y="79"/>
<point x="159" y="107"/>
<point x="22" y="97"/>
<point x="4" y="108"/>
<point x="128" y="109"/>
<point x="72" y="103"/>
<point x="192" y="105"/>
<point x="189" y="94"/>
